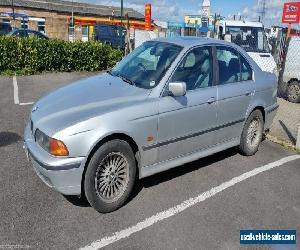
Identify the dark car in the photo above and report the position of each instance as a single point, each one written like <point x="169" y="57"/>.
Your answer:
<point x="5" y="28"/>
<point x="110" y="34"/>
<point x="27" y="33"/>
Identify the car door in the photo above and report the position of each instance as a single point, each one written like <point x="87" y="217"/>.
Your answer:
<point x="185" y="122"/>
<point x="235" y="90"/>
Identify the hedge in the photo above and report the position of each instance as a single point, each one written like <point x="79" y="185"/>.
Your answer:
<point x="33" y="55"/>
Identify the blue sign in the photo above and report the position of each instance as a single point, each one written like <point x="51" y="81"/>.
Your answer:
<point x="268" y="237"/>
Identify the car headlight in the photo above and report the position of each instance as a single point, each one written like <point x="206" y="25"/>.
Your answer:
<point x="51" y="145"/>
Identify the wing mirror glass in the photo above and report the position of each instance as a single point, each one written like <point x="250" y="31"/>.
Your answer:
<point x="177" y="88"/>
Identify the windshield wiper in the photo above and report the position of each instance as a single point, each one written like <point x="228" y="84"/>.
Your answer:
<point x="125" y="79"/>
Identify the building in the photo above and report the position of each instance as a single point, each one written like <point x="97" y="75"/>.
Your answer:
<point x="203" y="19"/>
<point x="54" y="17"/>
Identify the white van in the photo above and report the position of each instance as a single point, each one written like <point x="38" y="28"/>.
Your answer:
<point x="291" y="71"/>
<point x="250" y="36"/>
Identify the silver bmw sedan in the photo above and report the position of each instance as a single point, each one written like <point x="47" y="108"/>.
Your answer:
<point x="169" y="102"/>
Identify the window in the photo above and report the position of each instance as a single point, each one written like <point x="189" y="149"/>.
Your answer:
<point x="195" y="69"/>
<point x="24" y="23"/>
<point x="229" y="65"/>
<point x="41" y="26"/>
<point x="246" y="70"/>
<point x="147" y="64"/>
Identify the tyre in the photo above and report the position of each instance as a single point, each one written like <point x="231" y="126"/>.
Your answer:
<point x="110" y="176"/>
<point x="252" y="133"/>
<point x="293" y="92"/>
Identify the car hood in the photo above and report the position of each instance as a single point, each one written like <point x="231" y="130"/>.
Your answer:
<point x="82" y="100"/>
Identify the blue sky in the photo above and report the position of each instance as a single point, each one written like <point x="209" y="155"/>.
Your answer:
<point x="174" y="10"/>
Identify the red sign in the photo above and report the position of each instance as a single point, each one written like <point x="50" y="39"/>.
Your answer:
<point x="291" y="12"/>
<point x="148" y="18"/>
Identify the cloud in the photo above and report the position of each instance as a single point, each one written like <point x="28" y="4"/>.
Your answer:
<point x="272" y="15"/>
<point x="164" y="10"/>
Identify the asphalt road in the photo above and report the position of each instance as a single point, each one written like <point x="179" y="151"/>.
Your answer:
<point x="33" y="216"/>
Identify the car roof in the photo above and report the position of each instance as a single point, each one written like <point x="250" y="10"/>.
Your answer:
<point x="191" y="41"/>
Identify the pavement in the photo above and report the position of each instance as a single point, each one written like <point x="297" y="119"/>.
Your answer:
<point x="287" y="121"/>
<point x="32" y="216"/>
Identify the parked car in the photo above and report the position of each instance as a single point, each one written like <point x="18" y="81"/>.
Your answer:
<point x="27" y="33"/>
<point x="169" y="102"/>
<point x="5" y="28"/>
<point x="252" y="37"/>
<point x="110" y="34"/>
<point x="290" y="75"/>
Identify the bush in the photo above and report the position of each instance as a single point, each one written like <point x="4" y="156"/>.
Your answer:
<point x="31" y="55"/>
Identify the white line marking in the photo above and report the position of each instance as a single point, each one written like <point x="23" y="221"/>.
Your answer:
<point x="26" y="103"/>
<point x="184" y="205"/>
<point x="16" y="90"/>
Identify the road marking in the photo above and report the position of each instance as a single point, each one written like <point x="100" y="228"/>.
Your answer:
<point x="16" y="90"/>
<point x="185" y="205"/>
<point x="16" y="93"/>
<point x="26" y="103"/>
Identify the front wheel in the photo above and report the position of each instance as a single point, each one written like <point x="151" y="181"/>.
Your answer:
<point x="252" y="133"/>
<point x="110" y="176"/>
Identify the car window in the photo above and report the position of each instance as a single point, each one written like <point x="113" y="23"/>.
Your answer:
<point x="246" y="70"/>
<point x="147" y="64"/>
<point x="196" y="69"/>
<point x="229" y="65"/>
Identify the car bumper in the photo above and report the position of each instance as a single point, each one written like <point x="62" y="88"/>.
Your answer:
<point x="63" y="174"/>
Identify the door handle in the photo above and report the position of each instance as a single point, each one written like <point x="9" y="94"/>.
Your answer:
<point x="211" y="100"/>
<point x="249" y="93"/>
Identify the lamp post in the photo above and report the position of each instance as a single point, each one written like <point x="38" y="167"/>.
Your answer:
<point x="121" y="12"/>
<point x="73" y="28"/>
<point x="13" y="10"/>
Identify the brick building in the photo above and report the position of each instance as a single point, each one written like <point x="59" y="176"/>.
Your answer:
<point x="54" y="17"/>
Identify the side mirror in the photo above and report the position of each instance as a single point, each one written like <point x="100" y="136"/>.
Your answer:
<point x="177" y="88"/>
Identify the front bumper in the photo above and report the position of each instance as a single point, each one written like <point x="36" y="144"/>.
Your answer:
<point x="63" y="174"/>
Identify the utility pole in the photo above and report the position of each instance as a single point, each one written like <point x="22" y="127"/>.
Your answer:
<point x="122" y="13"/>
<point x="73" y="28"/>
<point x="13" y="11"/>
<point x="263" y="12"/>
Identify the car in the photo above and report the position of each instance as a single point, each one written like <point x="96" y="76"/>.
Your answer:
<point x="23" y="33"/>
<point x="5" y="28"/>
<point x="169" y="102"/>
<point x="110" y="34"/>
<point x="289" y="77"/>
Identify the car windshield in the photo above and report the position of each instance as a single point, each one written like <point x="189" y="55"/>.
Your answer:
<point x="147" y="64"/>
<point x="252" y="39"/>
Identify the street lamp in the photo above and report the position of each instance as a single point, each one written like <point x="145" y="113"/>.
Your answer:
<point x="121" y="12"/>
<point x="13" y="10"/>
<point x="73" y="28"/>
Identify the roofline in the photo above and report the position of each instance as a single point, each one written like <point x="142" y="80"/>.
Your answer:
<point x="53" y="6"/>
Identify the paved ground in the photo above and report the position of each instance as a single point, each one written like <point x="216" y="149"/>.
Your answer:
<point x="287" y="121"/>
<point x="34" y="216"/>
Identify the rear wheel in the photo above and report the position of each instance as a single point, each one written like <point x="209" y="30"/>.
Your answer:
<point x="252" y="133"/>
<point x="110" y="176"/>
<point x="293" y="92"/>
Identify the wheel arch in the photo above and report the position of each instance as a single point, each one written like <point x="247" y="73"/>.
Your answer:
<point x="293" y="80"/>
<point x="107" y="138"/>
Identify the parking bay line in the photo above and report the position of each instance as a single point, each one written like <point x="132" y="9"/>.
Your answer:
<point x="16" y="93"/>
<point x="16" y="90"/>
<point x="185" y="205"/>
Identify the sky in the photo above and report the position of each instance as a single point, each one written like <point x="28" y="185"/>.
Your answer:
<point x="174" y="10"/>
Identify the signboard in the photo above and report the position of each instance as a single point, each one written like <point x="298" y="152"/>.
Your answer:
<point x="148" y="17"/>
<point x="291" y="12"/>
